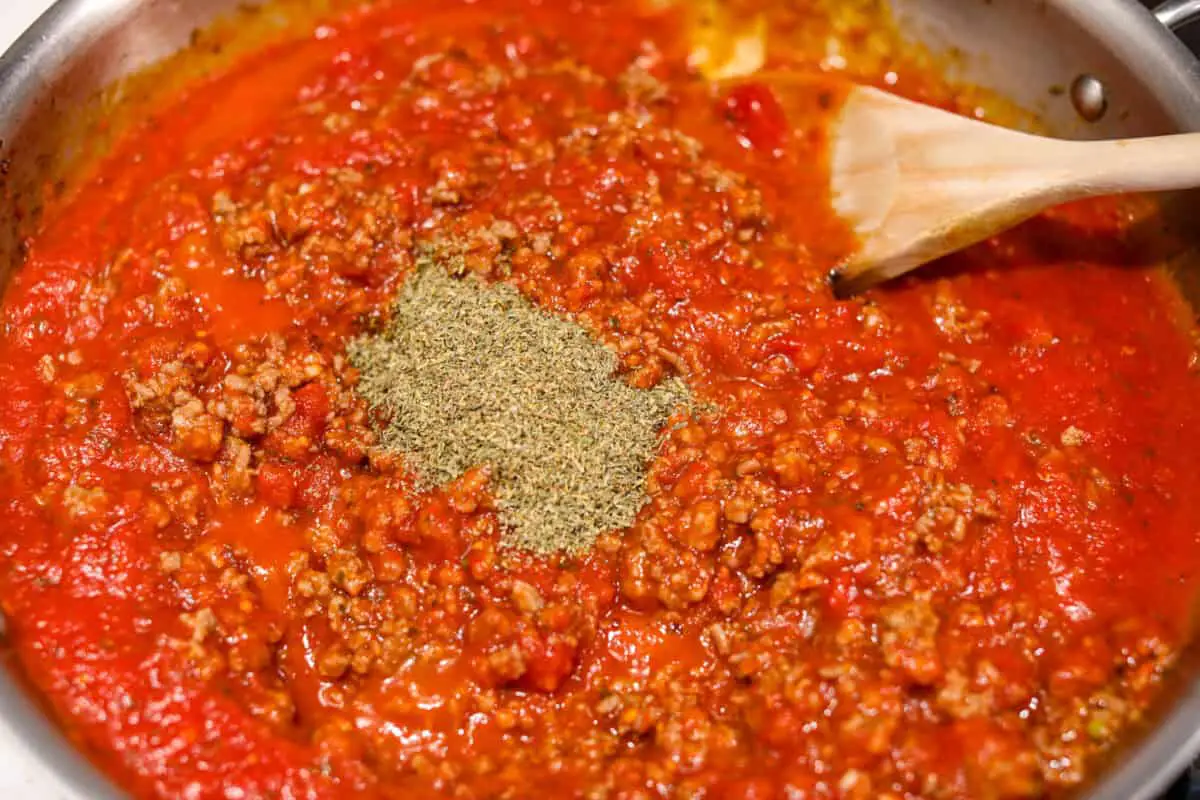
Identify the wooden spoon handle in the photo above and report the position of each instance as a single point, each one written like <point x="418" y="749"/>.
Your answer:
<point x="1163" y="163"/>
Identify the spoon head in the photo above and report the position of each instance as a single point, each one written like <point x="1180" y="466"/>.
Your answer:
<point x="916" y="183"/>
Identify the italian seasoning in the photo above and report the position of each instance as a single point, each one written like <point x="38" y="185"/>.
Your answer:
<point x="468" y="374"/>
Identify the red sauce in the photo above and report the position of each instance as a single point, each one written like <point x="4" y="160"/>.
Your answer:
<point x="937" y="541"/>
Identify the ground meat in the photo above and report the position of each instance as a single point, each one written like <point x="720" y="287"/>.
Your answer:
<point x="195" y="433"/>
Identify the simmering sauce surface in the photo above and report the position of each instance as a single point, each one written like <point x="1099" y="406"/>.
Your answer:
<point x="938" y="541"/>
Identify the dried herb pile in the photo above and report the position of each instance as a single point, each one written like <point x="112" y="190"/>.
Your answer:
<point x="472" y="374"/>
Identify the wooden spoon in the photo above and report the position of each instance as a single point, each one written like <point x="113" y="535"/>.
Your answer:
<point x="917" y="183"/>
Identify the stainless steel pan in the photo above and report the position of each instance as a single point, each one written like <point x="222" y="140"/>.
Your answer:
<point x="1129" y="75"/>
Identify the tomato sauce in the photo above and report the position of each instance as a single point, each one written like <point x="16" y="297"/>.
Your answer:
<point x="940" y="540"/>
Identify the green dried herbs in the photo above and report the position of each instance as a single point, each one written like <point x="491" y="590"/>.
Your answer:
<point x="472" y="374"/>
